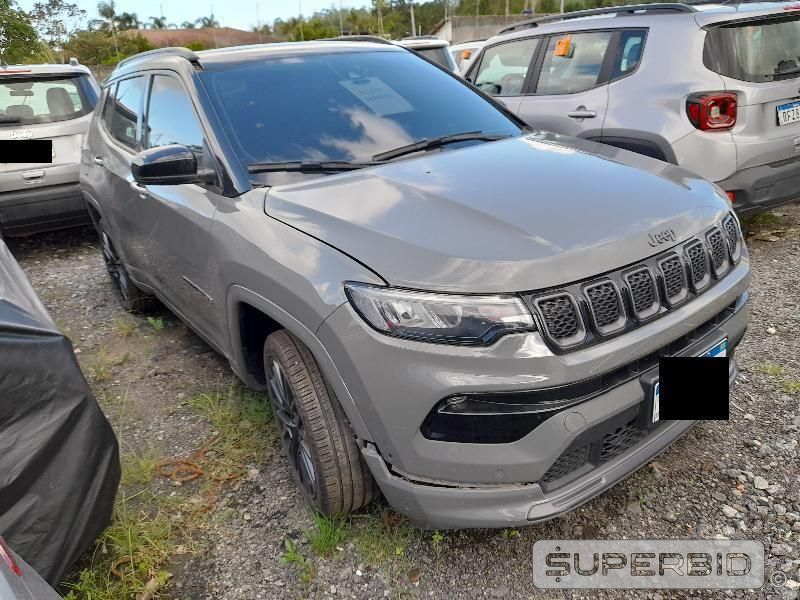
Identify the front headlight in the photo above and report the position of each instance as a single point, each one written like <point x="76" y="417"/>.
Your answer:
<point x="441" y="318"/>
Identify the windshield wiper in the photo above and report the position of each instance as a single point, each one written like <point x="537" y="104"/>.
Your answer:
<point x="438" y="142"/>
<point x="331" y="166"/>
<point x="10" y="119"/>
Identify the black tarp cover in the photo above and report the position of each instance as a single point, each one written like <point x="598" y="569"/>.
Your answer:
<point x="59" y="458"/>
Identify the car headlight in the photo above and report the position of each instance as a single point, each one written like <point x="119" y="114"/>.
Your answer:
<point x="441" y="318"/>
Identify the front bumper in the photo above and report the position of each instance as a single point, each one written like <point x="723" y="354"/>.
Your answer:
<point x="757" y="189"/>
<point x="35" y="210"/>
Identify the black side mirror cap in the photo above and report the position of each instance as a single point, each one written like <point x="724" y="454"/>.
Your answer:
<point x="165" y="165"/>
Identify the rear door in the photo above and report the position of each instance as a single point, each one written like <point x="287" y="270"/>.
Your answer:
<point x="504" y="70"/>
<point x="569" y="92"/>
<point x="759" y="60"/>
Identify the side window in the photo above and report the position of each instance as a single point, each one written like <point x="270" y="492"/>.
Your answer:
<point x="629" y="53"/>
<point x="504" y="67"/>
<point x="126" y="110"/>
<point x="171" y="118"/>
<point x="572" y="62"/>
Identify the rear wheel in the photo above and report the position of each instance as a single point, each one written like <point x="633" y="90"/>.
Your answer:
<point x="131" y="297"/>
<point x="321" y="447"/>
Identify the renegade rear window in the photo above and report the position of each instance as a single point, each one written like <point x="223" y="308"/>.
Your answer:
<point x="343" y="106"/>
<point x="758" y="50"/>
<point x="32" y="100"/>
<point x="439" y="55"/>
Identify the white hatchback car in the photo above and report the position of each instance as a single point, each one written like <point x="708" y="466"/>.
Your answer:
<point x="51" y="102"/>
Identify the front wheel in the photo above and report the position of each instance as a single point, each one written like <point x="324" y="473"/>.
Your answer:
<point x="321" y="447"/>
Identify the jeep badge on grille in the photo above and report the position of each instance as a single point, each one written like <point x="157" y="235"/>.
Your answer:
<point x="656" y="239"/>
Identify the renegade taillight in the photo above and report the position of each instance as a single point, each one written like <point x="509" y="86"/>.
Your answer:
<point x="712" y="111"/>
<point x="8" y="558"/>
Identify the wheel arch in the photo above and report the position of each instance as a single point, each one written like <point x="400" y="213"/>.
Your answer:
<point x="641" y="142"/>
<point x="251" y="318"/>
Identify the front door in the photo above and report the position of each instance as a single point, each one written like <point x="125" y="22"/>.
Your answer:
<point x="178" y="218"/>
<point x="503" y="70"/>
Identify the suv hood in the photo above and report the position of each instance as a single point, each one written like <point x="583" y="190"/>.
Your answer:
<point x="515" y="215"/>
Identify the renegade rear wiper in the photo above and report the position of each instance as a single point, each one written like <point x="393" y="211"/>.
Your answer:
<point x="310" y="167"/>
<point x="438" y="142"/>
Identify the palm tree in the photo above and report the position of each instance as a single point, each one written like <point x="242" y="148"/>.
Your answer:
<point x="127" y="20"/>
<point x="187" y="25"/>
<point x="158" y="23"/>
<point x="108" y="12"/>
<point x="207" y="21"/>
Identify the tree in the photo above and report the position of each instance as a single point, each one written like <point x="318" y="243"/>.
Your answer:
<point x="126" y="21"/>
<point x="158" y="23"/>
<point x="56" y="21"/>
<point x="18" y="40"/>
<point x="97" y="47"/>
<point x="209" y="21"/>
<point x="187" y="25"/>
<point x="108" y="15"/>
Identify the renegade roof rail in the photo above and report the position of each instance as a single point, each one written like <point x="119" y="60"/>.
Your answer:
<point x="178" y="51"/>
<point x="657" y="7"/>
<point x="358" y="38"/>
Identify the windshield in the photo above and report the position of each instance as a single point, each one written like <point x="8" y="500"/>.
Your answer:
<point x="765" y="50"/>
<point x="32" y="100"/>
<point x="343" y="106"/>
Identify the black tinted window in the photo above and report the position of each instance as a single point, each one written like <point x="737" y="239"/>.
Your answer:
<point x="30" y="100"/>
<point x="629" y="53"/>
<point x="125" y="111"/>
<point x="171" y="118"/>
<point x="343" y="106"/>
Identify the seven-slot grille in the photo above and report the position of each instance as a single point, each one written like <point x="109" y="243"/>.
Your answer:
<point x="623" y="298"/>
<point x="560" y="316"/>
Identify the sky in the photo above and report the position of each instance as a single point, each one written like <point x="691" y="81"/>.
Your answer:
<point x="242" y="14"/>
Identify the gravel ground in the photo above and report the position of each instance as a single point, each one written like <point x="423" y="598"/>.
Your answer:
<point x="735" y="479"/>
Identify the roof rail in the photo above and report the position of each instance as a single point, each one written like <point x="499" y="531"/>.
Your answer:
<point x="420" y="37"/>
<point x="656" y="7"/>
<point x="357" y="38"/>
<point x="178" y="51"/>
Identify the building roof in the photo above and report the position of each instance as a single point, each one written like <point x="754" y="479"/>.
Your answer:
<point x="209" y="37"/>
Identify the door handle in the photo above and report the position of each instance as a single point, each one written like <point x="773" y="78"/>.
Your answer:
<point x="33" y="176"/>
<point x="139" y="189"/>
<point x="582" y="113"/>
<point x="98" y="160"/>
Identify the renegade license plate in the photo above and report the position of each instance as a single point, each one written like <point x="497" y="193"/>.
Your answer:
<point x="788" y="113"/>
<point x="718" y="350"/>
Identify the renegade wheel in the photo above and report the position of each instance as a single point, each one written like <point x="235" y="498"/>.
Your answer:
<point x="129" y="295"/>
<point x="317" y="439"/>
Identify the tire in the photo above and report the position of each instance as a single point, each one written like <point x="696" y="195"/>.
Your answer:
<point x="324" y="457"/>
<point x="131" y="297"/>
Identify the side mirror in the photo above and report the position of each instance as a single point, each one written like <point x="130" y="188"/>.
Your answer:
<point x="165" y="165"/>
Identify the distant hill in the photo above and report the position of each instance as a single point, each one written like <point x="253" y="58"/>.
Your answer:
<point x="208" y="37"/>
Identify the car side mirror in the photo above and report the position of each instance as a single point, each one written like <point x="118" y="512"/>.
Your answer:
<point x="165" y="165"/>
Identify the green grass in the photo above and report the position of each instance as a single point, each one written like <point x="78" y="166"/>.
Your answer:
<point x="157" y="323"/>
<point x="125" y="326"/>
<point x="381" y="537"/>
<point x="243" y="422"/>
<point x="100" y="368"/>
<point x="129" y="558"/>
<point x="327" y="534"/>
<point x="770" y="369"/>
<point x="292" y="556"/>
<point x="766" y="220"/>
<point x="791" y="386"/>
<point x="138" y="468"/>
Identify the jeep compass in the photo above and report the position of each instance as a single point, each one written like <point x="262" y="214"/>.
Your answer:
<point x="442" y="305"/>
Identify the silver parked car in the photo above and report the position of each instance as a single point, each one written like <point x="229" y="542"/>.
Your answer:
<point x="432" y="48"/>
<point x="438" y="301"/>
<point x="714" y="88"/>
<point x="51" y="102"/>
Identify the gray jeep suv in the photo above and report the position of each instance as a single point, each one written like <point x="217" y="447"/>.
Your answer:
<point x="713" y="88"/>
<point x="51" y="102"/>
<point x="441" y="302"/>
